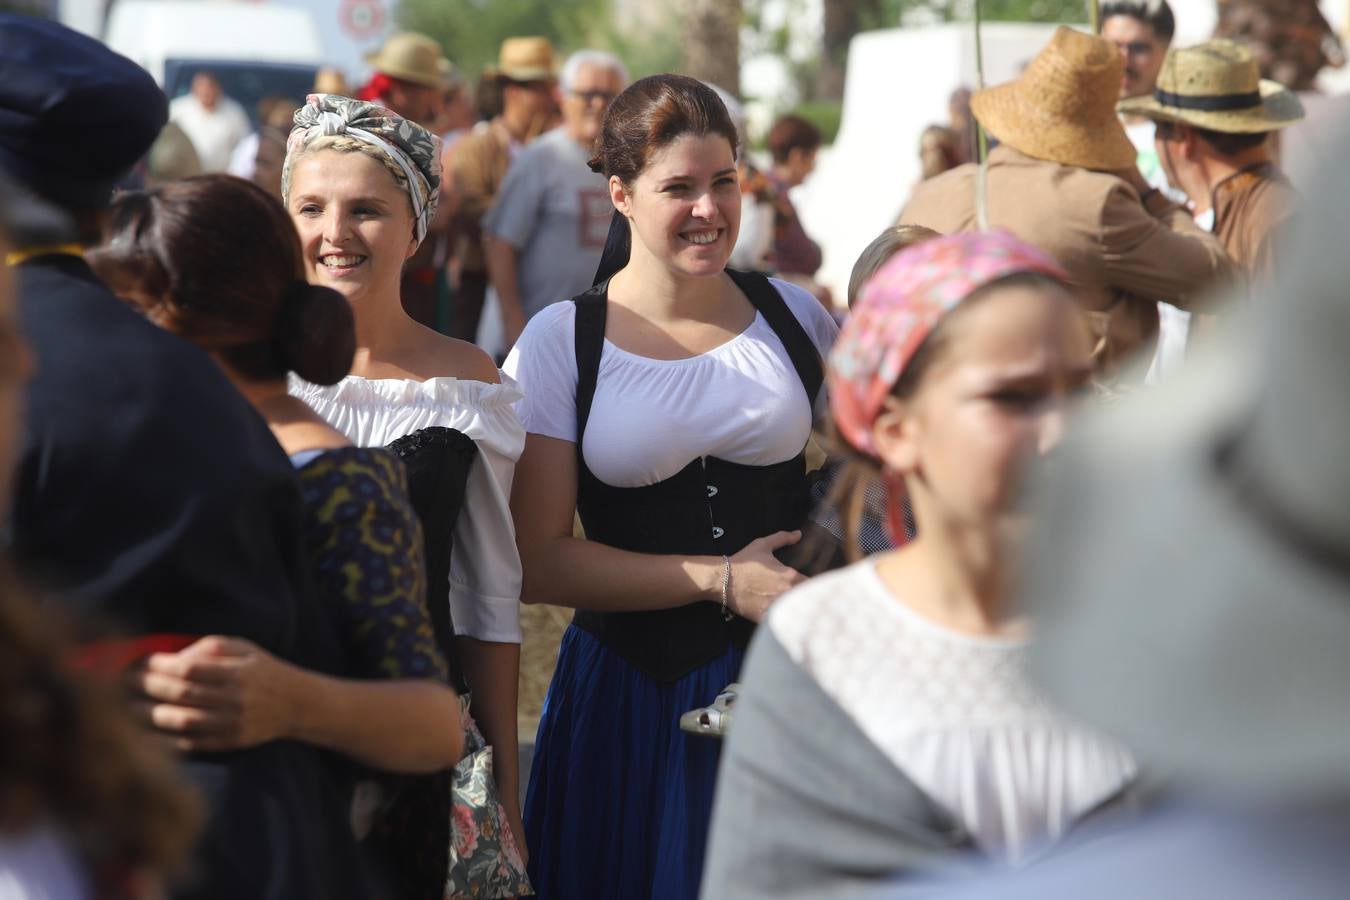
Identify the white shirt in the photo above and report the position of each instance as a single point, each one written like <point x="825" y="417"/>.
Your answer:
<point x="214" y="133"/>
<point x="742" y="401"/>
<point x="485" y="574"/>
<point x="39" y="865"/>
<point x="955" y="712"/>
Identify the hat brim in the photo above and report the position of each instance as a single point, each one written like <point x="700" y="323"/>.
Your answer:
<point x="1280" y="108"/>
<point x="1025" y="125"/>
<point x="1172" y="616"/>
<point x="442" y="76"/>
<point x="535" y="74"/>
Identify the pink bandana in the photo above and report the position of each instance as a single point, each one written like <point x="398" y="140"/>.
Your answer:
<point x="897" y="309"/>
<point x="901" y="304"/>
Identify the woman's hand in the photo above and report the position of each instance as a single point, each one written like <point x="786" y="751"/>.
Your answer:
<point x="218" y="694"/>
<point x="758" y="578"/>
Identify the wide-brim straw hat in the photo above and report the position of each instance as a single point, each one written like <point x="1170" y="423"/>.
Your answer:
<point x="409" y="56"/>
<point x="1218" y="86"/>
<point x="1190" y="564"/>
<point x="1063" y="107"/>
<point x="526" y="59"/>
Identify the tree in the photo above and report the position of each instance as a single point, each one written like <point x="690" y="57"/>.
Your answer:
<point x="712" y="42"/>
<point x="471" y="31"/>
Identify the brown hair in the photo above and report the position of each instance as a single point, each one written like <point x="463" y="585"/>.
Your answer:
<point x="792" y="133"/>
<point x="1221" y="142"/>
<point x="216" y="260"/>
<point x="651" y="114"/>
<point x="72" y="756"/>
<point x="883" y="247"/>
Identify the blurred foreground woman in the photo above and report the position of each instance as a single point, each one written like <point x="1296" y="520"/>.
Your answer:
<point x="885" y="725"/>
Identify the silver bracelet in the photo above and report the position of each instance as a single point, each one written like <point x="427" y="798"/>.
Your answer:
<point x="727" y="614"/>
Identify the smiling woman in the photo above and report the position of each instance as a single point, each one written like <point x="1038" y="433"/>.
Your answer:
<point x="668" y="406"/>
<point x="361" y="185"/>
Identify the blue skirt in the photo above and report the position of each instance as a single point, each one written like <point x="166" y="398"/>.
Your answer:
<point x="620" y="799"/>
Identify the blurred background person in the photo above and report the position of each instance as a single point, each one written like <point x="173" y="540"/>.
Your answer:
<point x="888" y="704"/>
<point x="1142" y="31"/>
<point x="793" y="144"/>
<point x="410" y="76"/>
<point x="258" y="157"/>
<point x="216" y="261"/>
<point x="361" y="200"/>
<point x="329" y="80"/>
<point x="527" y="80"/>
<point x="543" y="236"/>
<point x="1221" y="157"/>
<point x="144" y="478"/>
<point x="1063" y="178"/>
<point x="213" y="122"/>
<point x="171" y="157"/>
<point x="939" y="150"/>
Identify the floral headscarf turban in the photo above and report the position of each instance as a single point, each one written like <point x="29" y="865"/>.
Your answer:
<point x="901" y="305"/>
<point x="416" y="151"/>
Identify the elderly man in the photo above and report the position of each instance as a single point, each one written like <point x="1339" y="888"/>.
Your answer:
<point x="1214" y="114"/>
<point x="1064" y="179"/>
<point x="149" y="496"/>
<point x="528" y="81"/>
<point x="544" y="235"/>
<point x="212" y="121"/>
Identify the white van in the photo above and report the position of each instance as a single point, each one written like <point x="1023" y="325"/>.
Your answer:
<point x="256" y="50"/>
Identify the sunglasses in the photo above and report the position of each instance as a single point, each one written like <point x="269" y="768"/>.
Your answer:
<point x="606" y="97"/>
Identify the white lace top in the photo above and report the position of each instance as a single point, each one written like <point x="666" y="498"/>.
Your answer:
<point x="955" y="712"/>
<point x="485" y="576"/>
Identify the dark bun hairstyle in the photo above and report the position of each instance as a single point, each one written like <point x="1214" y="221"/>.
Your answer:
<point x="651" y="114"/>
<point x="216" y="260"/>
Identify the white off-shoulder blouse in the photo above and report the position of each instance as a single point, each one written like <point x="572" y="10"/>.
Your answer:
<point x="956" y="713"/>
<point x="485" y="573"/>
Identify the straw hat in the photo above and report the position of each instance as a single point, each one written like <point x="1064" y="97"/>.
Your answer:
<point x="1063" y="107"/>
<point x="1191" y="567"/>
<point x="526" y="59"/>
<point x="1218" y="86"/>
<point x="409" y="56"/>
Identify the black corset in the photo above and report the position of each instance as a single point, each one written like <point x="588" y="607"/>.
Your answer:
<point x="711" y="507"/>
<point x="438" y="460"/>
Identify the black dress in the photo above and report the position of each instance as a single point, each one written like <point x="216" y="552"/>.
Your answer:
<point x="412" y="838"/>
<point x="152" y="499"/>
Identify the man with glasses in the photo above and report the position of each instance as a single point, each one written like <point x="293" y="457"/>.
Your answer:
<point x="1142" y="31"/>
<point x="544" y="236"/>
<point x="526" y="76"/>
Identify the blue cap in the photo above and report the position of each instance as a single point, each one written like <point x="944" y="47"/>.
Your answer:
<point x="74" y="116"/>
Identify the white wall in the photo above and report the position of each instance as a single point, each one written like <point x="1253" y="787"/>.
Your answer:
<point x="898" y="84"/>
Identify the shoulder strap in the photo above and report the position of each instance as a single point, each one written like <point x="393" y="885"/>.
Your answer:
<point x="774" y="309"/>
<point x="589" y="343"/>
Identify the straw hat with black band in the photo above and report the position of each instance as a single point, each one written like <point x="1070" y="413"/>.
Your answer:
<point x="1217" y="86"/>
<point x="1063" y="107"/>
<point x="1190" y="566"/>
<point x="409" y="56"/>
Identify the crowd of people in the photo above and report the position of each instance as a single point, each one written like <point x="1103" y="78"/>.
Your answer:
<point x="288" y="437"/>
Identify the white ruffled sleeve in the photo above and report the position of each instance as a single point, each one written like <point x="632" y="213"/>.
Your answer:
<point x="485" y="571"/>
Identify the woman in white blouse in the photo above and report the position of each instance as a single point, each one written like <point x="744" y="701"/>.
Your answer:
<point x="886" y="726"/>
<point x="361" y="184"/>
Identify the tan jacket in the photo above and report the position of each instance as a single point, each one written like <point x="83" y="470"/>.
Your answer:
<point x="1121" y="254"/>
<point x="480" y="162"/>
<point x="1251" y="210"/>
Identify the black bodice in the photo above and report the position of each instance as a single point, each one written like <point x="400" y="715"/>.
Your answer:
<point x="437" y="460"/>
<point x="711" y="507"/>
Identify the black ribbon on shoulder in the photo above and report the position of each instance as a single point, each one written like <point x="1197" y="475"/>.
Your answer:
<point x="618" y="246"/>
<point x="1215" y="103"/>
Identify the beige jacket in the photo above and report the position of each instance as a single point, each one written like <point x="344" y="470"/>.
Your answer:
<point x="1123" y="255"/>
